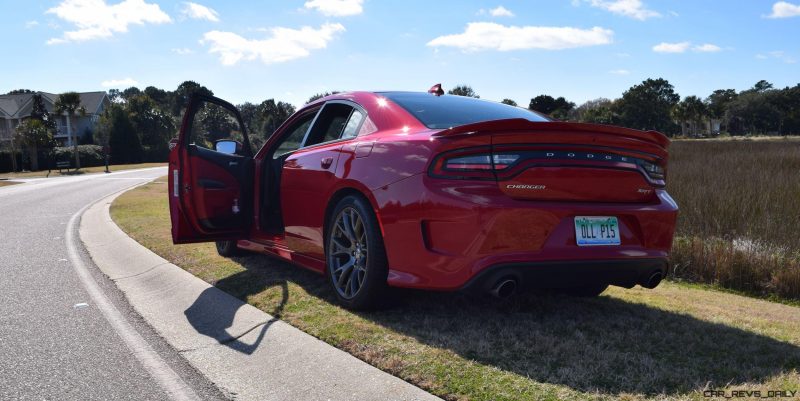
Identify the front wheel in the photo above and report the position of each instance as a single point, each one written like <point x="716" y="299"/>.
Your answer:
<point x="228" y="249"/>
<point x="356" y="260"/>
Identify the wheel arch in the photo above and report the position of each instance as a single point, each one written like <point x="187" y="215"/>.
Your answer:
<point x="340" y="194"/>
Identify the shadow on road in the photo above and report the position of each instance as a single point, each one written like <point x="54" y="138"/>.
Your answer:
<point x="212" y="313"/>
<point x="604" y="345"/>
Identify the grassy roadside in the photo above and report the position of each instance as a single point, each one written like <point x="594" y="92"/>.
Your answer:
<point x="85" y="170"/>
<point x="666" y="344"/>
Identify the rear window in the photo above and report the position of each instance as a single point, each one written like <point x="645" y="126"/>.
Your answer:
<point x="446" y="111"/>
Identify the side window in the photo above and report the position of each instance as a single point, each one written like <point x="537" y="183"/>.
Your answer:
<point x="334" y="122"/>
<point x="294" y="139"/>
<point x="351" y="129"/>
<point x="212" y="122"/>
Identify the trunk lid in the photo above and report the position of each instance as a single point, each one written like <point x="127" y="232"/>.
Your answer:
<point x="559" y="161"/>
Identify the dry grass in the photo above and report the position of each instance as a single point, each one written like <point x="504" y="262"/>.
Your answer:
<point x="4" y="183"/>
<point x="740" y="214"/>
<point x="85" y="170"/>
<point x="665" y="344"/>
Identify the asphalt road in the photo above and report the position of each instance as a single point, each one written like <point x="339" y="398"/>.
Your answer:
<point x="52" y="346"/>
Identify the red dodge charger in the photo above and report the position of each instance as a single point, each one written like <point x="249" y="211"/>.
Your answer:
<point x="417" y="190"/>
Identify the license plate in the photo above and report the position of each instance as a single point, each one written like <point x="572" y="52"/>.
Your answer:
<point x="596" y="230"/>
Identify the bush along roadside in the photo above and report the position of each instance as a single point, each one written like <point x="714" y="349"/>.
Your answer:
<point x="744" y="265"/>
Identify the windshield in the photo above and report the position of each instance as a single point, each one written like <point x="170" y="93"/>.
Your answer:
<point x="442" y="112"/>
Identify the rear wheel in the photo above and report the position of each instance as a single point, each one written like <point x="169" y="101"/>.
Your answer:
<point x="586" y="291"/>
<point x="356" y="260"/>
<point x="228" y="248"/>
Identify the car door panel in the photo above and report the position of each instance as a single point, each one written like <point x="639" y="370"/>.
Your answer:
<point x="218" y="181"/>
<point x="306" y="186"/>
<point x="210" y="192"/>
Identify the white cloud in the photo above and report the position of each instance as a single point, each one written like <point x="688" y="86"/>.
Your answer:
<point x="665" y="47"/>
<point x="707" y="48"/>
<point x="182" y="51"/>
<point x="119" y="83"/>
<point x="778" y="55"/>
<point x="198" y="11"/>
<point x="682" y="47"/>
<point x="628" y="8"/>
<point x="620" y="72"/>
<point x="336" y="8"/>
<point x="491" y="36"/>
<point x="285" y="44"/>
<point x="500" y="11"/>
<point x="783" y="9"/>
<point x="31" y="24"/>
<point x="94" y="19"/>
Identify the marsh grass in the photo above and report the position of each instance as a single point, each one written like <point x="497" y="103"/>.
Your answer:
<point x="739" y="223"/>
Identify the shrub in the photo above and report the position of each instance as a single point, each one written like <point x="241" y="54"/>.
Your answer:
<point x="90" y="155"/>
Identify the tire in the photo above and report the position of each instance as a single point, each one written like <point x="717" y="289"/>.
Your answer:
<point x="586" y="291"/>
<point x="353" y="238"/>
<point x="228" y="249"/>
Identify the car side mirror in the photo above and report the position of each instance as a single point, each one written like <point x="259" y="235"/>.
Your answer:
<point x="228" y="146"/>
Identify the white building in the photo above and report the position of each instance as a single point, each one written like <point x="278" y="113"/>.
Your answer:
<point x="15" y="108"/>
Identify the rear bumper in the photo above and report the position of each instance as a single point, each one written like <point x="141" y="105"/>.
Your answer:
<point x="441" y="234"/>
<point x="566" y="274"/>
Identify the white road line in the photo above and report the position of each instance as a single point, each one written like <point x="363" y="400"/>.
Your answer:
<point x="172" y="384"/>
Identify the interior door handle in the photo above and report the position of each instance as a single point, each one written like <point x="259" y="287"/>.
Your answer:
<point x="326" y="162"/>
<point x="233" y="164"/>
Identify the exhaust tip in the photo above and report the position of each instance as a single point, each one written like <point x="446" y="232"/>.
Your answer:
<point x="654" y="280"/>
<point x="504" y="289"/>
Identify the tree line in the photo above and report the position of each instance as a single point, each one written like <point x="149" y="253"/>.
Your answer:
<point x="654" y="105"/>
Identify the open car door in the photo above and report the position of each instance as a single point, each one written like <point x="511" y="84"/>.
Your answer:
<point x="210" y="174"/>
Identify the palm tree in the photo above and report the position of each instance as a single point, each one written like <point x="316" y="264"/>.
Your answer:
<point x="69" y="103"/>
<point x="679" y="114"/>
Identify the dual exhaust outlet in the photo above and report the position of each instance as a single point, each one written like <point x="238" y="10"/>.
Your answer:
<point x="506" y="287"/>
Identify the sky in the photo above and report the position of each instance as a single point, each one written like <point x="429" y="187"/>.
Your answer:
<point x="292" y="49"/>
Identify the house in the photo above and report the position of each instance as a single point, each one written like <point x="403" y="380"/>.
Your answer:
<point x="16" y="108"/>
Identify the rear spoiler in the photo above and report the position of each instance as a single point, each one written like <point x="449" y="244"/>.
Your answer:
<point x="521" y="124"/>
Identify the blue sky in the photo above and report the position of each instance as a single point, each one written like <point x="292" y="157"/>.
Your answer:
<point x="289" y="50"/>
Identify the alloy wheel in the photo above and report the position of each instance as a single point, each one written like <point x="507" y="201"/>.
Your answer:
<point x="348" y="253"/>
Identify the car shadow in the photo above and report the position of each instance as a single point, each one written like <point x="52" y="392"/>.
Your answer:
<point x="602" y="345"/>
<point x="212" y="315"/>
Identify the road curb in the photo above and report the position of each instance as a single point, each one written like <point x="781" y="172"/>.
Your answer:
<point x="247" y="353"/>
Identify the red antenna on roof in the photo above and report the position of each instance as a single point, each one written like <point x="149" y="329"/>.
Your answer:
<point x="436" y="90"/>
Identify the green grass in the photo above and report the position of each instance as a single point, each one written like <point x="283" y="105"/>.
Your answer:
<point x="85" y="170"/>
<point x="664" y="344"/>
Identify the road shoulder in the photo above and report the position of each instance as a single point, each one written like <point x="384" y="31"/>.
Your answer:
<point x="246" y="352"/>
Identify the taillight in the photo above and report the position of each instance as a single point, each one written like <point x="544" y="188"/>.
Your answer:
<point x="476" y="162"/>
<point x="653" y="170"/>
<point x="503" y="160"/>
<point x="471" y="164"/>
<point x="480" y="163"/>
